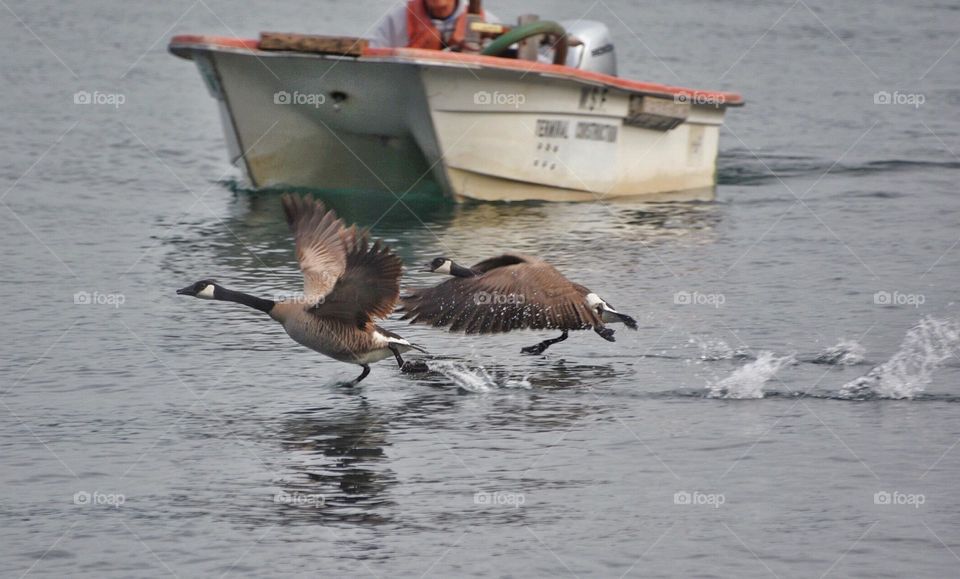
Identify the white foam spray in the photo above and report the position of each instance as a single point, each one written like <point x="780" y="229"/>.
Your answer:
<point x="843" y="353"/>
<point x="713" y="350"/>
<point x="926" y="347"/>
<point x="476" y="380"/>
<point x="747" y="381"/>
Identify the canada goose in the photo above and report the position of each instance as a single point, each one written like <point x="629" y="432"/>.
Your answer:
<point x="510" y="292"/>
<point x="346" y="282"/>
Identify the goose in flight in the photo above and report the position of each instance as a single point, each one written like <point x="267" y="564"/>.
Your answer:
<point x="347" y="284"/>
<point x="510" y="292"/>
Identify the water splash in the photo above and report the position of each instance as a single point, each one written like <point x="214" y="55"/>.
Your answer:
<point x="924" y="349"/>
<point x="844" y="353"/>
<point x="476" y="380"/>
<point x="713" y="350"/>
<point x="747" y="381"/>
<point x="469" y="379"/>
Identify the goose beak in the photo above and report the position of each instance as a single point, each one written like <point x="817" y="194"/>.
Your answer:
<point x="426" y="268"/>
<point x="186" y="291"/>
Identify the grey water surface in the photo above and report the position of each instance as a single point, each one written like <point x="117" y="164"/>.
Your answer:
<point x="788" y="408"/>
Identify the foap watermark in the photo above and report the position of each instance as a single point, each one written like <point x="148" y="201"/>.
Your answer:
<point x="914" y="99"/>
<point x="299" y="299"/>
<point x="98" y="499"/>
<point x="685" y="298"/>
<point x="314" y="100"/>
<point x="498" y="498"/>
<point x="697" y="498"/>
<point x="114" y="99"/>
<point x="497" y="299"/>
<point x="896" y="498"/>
<point x="714" y="100"/>
<point x="298" y="499"/>
<point x="885" y="298"/>
<point x="99" y="299"/>
<point x="509" y="99"/>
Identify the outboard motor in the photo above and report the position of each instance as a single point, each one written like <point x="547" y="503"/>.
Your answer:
<point x="596" y="52"/>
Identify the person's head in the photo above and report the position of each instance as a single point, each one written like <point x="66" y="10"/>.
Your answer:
<point x="441" y="8"/>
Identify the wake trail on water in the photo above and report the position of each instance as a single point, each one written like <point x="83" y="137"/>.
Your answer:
<point x="743" y="167"/>
<point x="926" y="347"/>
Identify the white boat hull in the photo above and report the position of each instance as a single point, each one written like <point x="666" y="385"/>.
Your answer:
<point x="409" y="123"/>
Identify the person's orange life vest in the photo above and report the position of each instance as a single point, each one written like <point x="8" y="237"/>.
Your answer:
<point x="422" y="33"/>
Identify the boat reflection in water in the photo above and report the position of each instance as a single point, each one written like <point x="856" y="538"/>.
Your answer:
<point x="419" y="226"/>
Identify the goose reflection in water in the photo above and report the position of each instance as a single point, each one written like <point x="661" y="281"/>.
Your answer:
<point x="343" y="456"/>
<point x="338" y="456"/>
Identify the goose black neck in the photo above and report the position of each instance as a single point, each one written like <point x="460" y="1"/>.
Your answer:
<point x="460" y="271"/>
<point x="254" y="302"/>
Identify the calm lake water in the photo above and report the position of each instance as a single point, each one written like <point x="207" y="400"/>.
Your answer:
<point x="788" y="408"/>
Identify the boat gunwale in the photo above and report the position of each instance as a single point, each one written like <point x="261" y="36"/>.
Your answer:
<point x="181" y="45"/>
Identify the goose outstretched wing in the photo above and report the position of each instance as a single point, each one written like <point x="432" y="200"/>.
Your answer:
<point x="320" y="248"/>
<point x="370" y="285"/>
<point x="345" y="276"/>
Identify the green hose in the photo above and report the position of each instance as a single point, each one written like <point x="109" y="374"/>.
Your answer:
<point x="524" y="31"/>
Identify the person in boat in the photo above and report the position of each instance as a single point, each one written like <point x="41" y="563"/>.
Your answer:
<point x="430" y="24"/>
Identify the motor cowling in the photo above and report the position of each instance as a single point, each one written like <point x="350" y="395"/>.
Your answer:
<point x="596" y="50"/>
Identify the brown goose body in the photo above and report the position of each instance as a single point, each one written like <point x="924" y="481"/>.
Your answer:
<point x="509" y="292"/>
<point x="348" y="283"/>
<point x="336" y="338"/>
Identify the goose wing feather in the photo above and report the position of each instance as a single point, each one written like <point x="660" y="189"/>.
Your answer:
<point x="370" y="285"/>
<point x="345" y="277"/>
<point x="320" y="248"/>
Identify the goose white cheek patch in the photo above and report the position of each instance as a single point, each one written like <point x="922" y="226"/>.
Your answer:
<point x="445" y="268"/>
<point x="206" y="293"/>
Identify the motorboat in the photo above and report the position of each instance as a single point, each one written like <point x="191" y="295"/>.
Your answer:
<point x="542" y="115"/>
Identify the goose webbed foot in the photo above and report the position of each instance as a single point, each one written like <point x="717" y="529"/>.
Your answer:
<point x="542" y="346"/>
<point x="408" y="367"/>
<point x="358" y="379"/>
<point x="606" y="334"/>
<point x="414" y="367"/>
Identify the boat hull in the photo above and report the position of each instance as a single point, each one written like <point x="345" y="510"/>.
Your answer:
<point x="406" y="122"/>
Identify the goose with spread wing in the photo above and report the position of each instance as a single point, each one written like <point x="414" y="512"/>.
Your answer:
<point x="348" y="283"/>
<point x="510" y="292"/>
